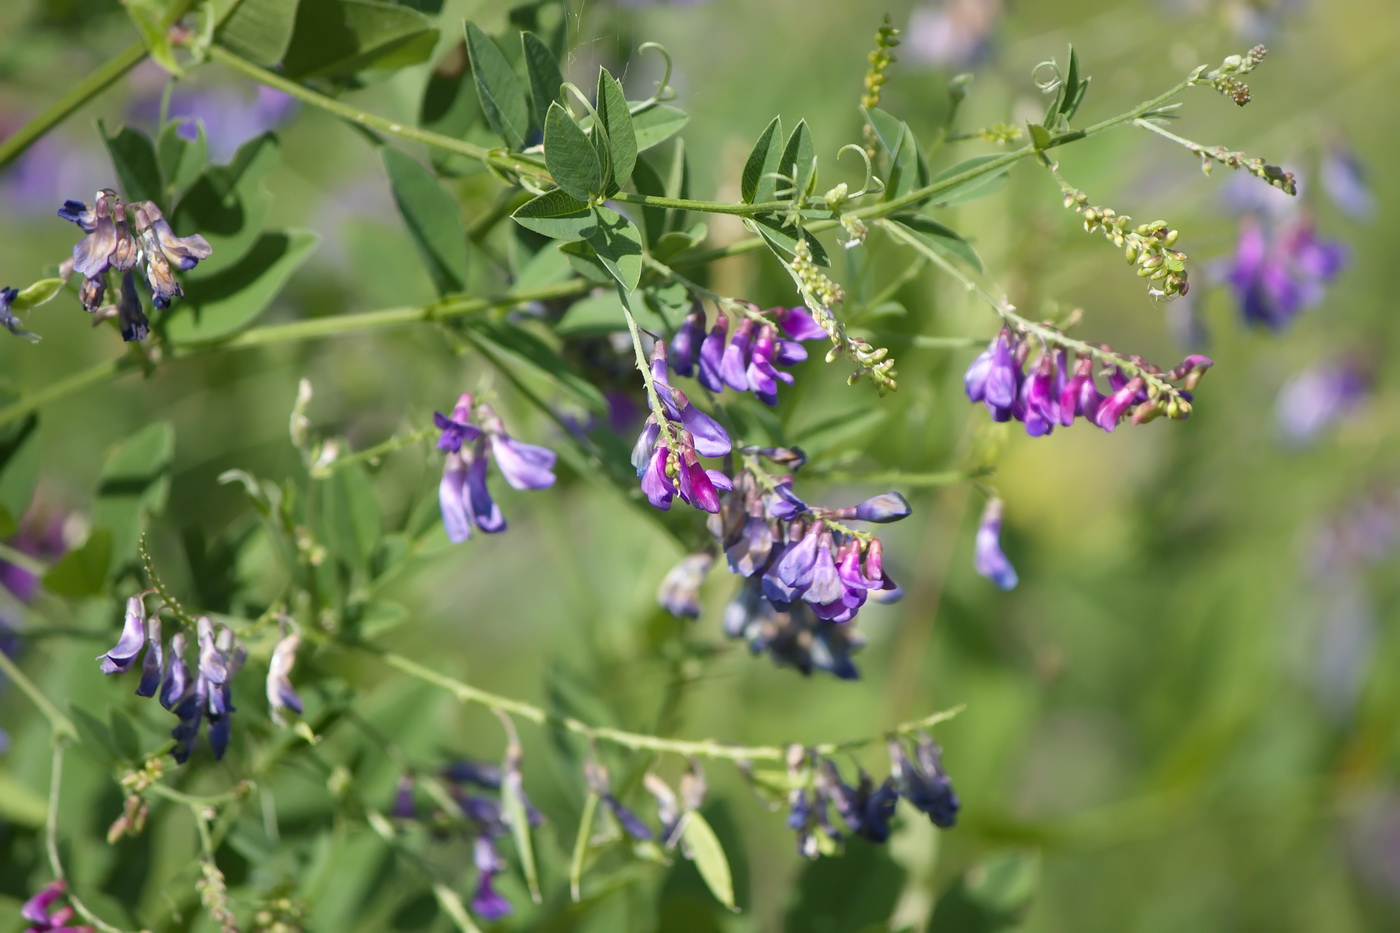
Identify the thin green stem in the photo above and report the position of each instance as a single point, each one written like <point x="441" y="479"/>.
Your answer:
<point x="944" y="478"/>
<point x="51" y="840"/>
<point x="95" y="83"/>
<point x="198" y="800"/>
<point x="704" y="207"/>
<point x="169" y="599"/>
<point x="370" y="454"/>
<point x="707" y="748"/>
<point x="23" y="561"/>
<point x="62" y="726"/>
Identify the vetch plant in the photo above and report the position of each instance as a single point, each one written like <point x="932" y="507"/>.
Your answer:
<point x="574" y="275"/>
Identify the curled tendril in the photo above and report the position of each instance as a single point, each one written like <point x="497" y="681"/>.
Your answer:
<point x="1048" y="85"/>
<point x="870" y="177"/>
<point x="664" y="91"/>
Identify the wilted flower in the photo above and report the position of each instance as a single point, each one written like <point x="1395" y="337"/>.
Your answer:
<point x="280" y="694"/>
<point x="465" y="501"/>
<point x="130" y="318"/>
<point x="987" y="554"/>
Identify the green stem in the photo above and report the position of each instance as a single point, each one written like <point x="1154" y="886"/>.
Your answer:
<point x="22" y="560"/>
<point x="62" y="726"/>
<point x="197" y="800"/>
<point x="97" y="82"/>
<point x="707" y="748"/>
<point x="51" y="840"/>
<point x="705" y="207"/>
<point x="372" y="453"/>
<point x="945" y="478"/>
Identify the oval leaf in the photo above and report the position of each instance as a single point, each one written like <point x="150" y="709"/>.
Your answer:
<point x="658" y="123"/>
<point x="569" y="156"/>
<point x="558" y="215"/>
<point x="220" y="304"/>
<point x="432" y="220"/>
<point x="618" y="243"/>
<point x="709" y="858"/>
<point x="616" y="122"/>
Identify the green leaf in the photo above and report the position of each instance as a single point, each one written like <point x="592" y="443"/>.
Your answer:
<point x="797" y="160"/>
<point x="94" y="734"/>
<point x="678" y="241"/>
<point x="218" y="305"/>
<point x="20" y="805"/>
<point x="757" y="184"/>
<point x="908" y="169"/>
<point x="1040" y="136"/>
<point x="618" y="243"/>
<point x="153" y="19"/>
<point x="656" y="124"/>
<point x="338" y="38"/>
<point x="134" y="158"/>
<point x="586" y="262"/>
<point x="545" y="77"/>
<point x="615" y="120"/>
<point x="19" y="472"/>
<point x="940" y="238"/>
<point x="991" y="898"/>
<point x="709" y="858"/>
<point x="601" y="314"/>
<point x="558" y="215"/>
<point x="857" y="891"/>
<point x="350" y="512"/>
<point x="181" y="160"/>
<point x="39" y="293"/>
<point x="569" y="155"/>
<point x="134" y="486"/>
<point x="123" y="733"/>
<point x="259" y="30"/>
<point x="503" y="98"/>
<point x="509" y="344"/>
<point x="432" y="219"/>
<point x="227" y="204"/>
<point x="82" y="571"/>
<point x="585" y="827"/>
<point x="783" y="239"/>
<point x="973" y="188"/>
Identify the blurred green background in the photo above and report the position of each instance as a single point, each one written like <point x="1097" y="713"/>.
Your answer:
<point x="1183" y="717"/>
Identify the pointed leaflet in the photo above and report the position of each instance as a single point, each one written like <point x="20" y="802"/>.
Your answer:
<point x="908" y="170"/>
<point x="502" y="96"/>
<point x="709" y="858"/>
<point x="757" y="184"/>
<point x="585" y="826"/>
<point x="432" y="219"/>
<point x="558" y="215"/>
<point x="971" y="188"/>
<point x="569" y="155"/>
<point x="519" y="822"/>
<point x="19" y="472"/>
<point x="138" y="168"/>
<point x="545" y="77"/>
<point x="258" y="30"/>
<point x="797" y="160"/>
<point x="618" y="243"/>
<point x="616" y="122"/>
<point x="181" y="160"/>
<point x="339" y="38"/>
<point x="658" y="123"/>
<point x="939" y="237"/>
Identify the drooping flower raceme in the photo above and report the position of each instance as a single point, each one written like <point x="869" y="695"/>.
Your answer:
<point x="465" y="501"/>
<point x="667" y="453"/>
<point x="747" y="360"/>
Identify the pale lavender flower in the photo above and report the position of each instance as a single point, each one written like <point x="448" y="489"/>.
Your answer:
<point x="1317" y="398"/>
<point x="122" y="656"/>
<point x="956" y="33"/>
<point x="1345" y="182"/>
<point x="680" y="589"/>
<point x="486" y="901"/>
<point x="988" y="558"/>
<point x="280" y="693"/>
<point x="465" y="501"/>
<point x="1277" y="273"/>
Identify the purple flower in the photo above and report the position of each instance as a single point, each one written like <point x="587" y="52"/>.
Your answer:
<point x="680" y="589"/>
<point x="865" y="808"/>
<point x="987" y="554"/>
<point x="955" y="33"/>
<point x="230" y="114"/>
<point x="712" y="356"/>
<point x="797" y="323"/>
<point x="39" y="536"/>
<point x="487" y="902"/>
<point x="685" y="345"/>
<point x="108" y="243"/>
<point x="1345" y="181"/>
<point x="122" y="657"/>
<point x="280" y="693"/>
<point x="38" y="910"/>
<point x="1276" y="274"/>
<point x="131" y="319"/>
<point x="1112" y="409"/>
<point x="465" y="501"/>
<point x="668" y="468"/>
<point x="7" y="316"/>
<point x="925" y="784"/>
<point x="791" y="635"/>
<point x="153" y="664"/>
<point x="1317" y="398"/>
<point x="209" y="696"/>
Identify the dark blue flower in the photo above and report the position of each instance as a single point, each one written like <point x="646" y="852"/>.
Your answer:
<point x="131" y="319"/>
<point x="925" y="784"/>
<point x="685" y="345"/>
<point x="122" y="656"/>
<point x="865" y="808"/>
<point x="7" y="316"/>
<point x="487" y="902"/>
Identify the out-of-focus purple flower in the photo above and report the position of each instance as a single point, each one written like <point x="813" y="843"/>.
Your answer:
<point x="630" y="822"/>
<point x="685" y="345"/>
<point x="865" y="808"/>
<point x="487" y="902"/>
<point x="1275" y="274"/>
<point x="886" y="507"/>
<point x="403" y="807"/>
<point x="231" y="114"/>
<point x="38" y="910"/>
<point x="791" y="635"/>
<point x="1345" y="182"/>
<point x="1317" y="398"/>
<point x="122" y="656"/>
<point x="280" y="693"/>
<point x="925" y="784"/>
<point x="679" y="593"/>
<point x="988" y="558"/>
<point x="40" y="536"/>
<point x="7" y="315"/>
<point x="465" y="501"/>
<point x="956" y="33"/>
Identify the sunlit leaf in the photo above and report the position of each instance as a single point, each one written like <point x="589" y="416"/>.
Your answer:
<point x="433" y="222"/>
<point x="757" y="183"/>
<point x="502" y="96"/>
<point x="709" y="858"/>
<point x="570" y="156"/>
<point x="259" y="30"/>
<point x="338" y="38"/>
<point x="220" y="304"/>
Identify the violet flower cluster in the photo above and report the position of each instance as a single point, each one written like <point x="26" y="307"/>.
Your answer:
<point x="668" y="450"/>
<point x="202" y="695"/>
<point x="122" y="237"/>
<point x="1279" y="270"/>
<point x="43" y="917"/>
<point x="747" y="361"/>
<point x="1053" y="391"/>
<point x="465" y="501"/>
<point x="475" y="789"/>
<point x="866" y="808"/>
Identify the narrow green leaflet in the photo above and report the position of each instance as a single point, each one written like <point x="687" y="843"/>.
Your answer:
<point x="519" y="822"/>
<point x="938" y="237"/>
<point x="798" y="160"/>
<point x="545" y="77"/>
<point x="616" y="121"/>
<point x="570" y="156"/>
<point x="227" y="205"/>
<point x="135" y="484"/>
<point x="181" y="160"/>
<point x="618" y="243"/>
<point x="138" y="169"/>
<point x="39" y="293"/>
<point x="783" y="240"/>
<point x="432" y="220"/>
<point x="218" y="305"/>
<point x="709" y="858"/>
<point x="972" y="188"/>
<point x="82" y="571"/>
<point x="507" y="344"/>
<point x="908" y="170"/>
<point x="1068" y="94"/>
<point x="585" y="826"/>
<point x="757" y="183"/>
<point x="259" y="30"/>
<point x="658" y="123"/>
<point x="338" y="38"/>
<point x="558" y="215"/>
<point x="502" y="96"/>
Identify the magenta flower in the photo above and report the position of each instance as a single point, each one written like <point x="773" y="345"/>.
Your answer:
<point x="38" y="910"/>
